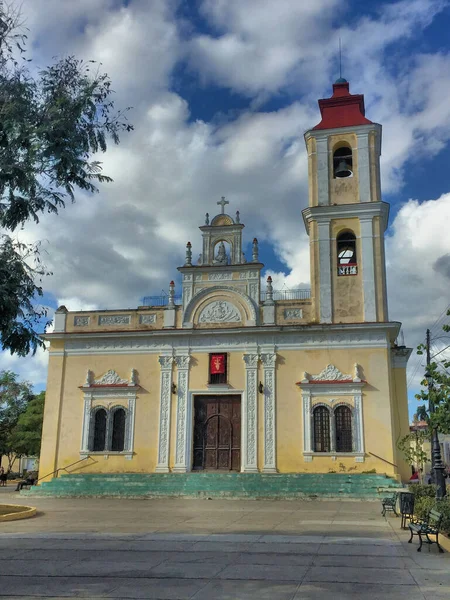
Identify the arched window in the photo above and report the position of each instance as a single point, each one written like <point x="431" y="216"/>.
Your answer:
<point x="321" y="418"/>
<point x="118" y="430"/>
<point x="99" y="439"/>
<point x="346" y="253"/>
<point x="343" y="162"/>
<point x="343" y="422"/>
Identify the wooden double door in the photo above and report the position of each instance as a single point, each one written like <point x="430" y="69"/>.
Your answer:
<point x="217" y="433"/>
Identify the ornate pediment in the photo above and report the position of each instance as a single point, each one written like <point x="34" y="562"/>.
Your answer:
<point x="332" y="373"/>
<point x="110" y="378"/>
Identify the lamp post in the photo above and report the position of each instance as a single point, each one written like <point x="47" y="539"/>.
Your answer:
<point x="437" y="464"/>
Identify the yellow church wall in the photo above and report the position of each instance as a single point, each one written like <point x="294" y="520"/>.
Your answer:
<point x="347" y="294"/>
<point x="59" y="450"/>
<point x="376" y="409"/>
<point x="400" y="418"/>
<point x="280" y="311"/>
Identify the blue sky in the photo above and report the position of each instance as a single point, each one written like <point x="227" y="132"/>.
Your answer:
<point x="222" y="92"/>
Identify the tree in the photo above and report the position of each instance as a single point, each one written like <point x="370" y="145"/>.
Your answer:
<point x="440" y="393"/>
<point x="51" y="126"/>
<point x="25" y="438"/>
<point x="15" y="396"/>
<point x="412" y="447"/>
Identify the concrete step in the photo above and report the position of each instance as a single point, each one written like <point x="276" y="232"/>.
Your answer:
<point x="217" y="485"/>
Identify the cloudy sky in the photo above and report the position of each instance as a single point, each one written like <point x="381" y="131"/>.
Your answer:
<point x="222" y="92"/>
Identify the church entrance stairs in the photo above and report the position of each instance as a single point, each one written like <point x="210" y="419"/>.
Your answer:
<point x="216" y="485"/>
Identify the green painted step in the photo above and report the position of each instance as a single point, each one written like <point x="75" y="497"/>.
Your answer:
<point x="215" y="485"/>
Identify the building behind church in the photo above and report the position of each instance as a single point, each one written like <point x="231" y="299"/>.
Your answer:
<point x="233" y="375"/>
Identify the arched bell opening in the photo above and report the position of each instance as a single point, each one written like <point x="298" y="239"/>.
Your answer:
<point x="343" y="162"/>
<point x="346" y="249"/>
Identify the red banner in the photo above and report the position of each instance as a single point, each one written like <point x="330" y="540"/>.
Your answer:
<point x="217" y="364"/>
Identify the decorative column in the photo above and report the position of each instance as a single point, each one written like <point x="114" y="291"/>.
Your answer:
<point x="249" y="460"/>
<point x="359" y="427"/>
<point x="181" y="453"/>
<point x="162" y="465"/>
<point x="307" y="442"/>
<point x="86" y="421"/>
<point x="270" y="449"/>
<point x="368" y="269"/>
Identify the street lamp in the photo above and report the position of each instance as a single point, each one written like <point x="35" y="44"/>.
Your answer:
<point x="436" y="459"/>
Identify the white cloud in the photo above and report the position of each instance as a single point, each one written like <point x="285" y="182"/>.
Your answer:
<point x="109" y="250"/>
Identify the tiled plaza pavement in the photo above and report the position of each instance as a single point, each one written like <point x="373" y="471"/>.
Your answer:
<point x="176" y="549"/>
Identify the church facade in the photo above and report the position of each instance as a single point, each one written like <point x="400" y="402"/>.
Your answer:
<point x="233" y="375"/>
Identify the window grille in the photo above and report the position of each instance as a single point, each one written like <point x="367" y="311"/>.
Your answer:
<point x="343" y="416"/>
<point x="118" y="431"/>
<point x="99" y="430"/>
<point x="321" y="417"/>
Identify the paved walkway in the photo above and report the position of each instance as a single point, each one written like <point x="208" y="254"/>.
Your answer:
<point x="176" y="549"/>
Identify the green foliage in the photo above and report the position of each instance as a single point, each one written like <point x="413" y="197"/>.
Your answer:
<point x="51" y="125"/>
<point x="15" y="396"/>
<point x="412" y="447"/>
<point x="438" y="395"/>
<point x="423" y="491"/>
<point x="369" y="472"/>
<point x="423" y="505"/>
<point x="26" y="435"/>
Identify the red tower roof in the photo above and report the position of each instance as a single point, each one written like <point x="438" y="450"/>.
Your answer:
<point x="342" y="109"/>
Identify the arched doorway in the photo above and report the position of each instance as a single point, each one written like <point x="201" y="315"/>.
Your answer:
<point x="217" y="433"/>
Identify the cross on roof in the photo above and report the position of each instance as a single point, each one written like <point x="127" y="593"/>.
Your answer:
<point x="222" y="203"/>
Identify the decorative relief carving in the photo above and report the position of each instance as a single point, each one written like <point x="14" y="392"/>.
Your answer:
<point x="268" y="360"/>
<point x="219" y="311"/>
<point x="243" y="275"/>
<point x="269" y="418"/>
<point x="293" y="313"/>
<point x="197" y="277"/>
<point x="110" y="378"/>
<point x="147" y="319"/>
<point x="182" y="362"/>
<point x="251" y="360"/>
<point x="220" y="276"/>
<point x="166" y="362"/>
<point x="114" y="319"/>
<point x="164" y="419"/>
<point x="251" y="418"/>
<point x="187" y="277"/>
<point x="330" y="373"/>
<point x="253" y="291"/>
<point x="182" y="391"/>
<point x="81" y="321"/>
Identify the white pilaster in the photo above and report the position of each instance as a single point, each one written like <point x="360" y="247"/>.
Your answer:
<point x="306" y="401"/>
<point x="162" y="465"/>
<point x="322" y="171"/>
<point x="368" y="270"/>
<point x="270" y="452"/>
<point x="325" y="271"/>
<point x="359" y="426"/>
<point x="181" y="450"/>
<point x="249" y="459"/>
<point x="86" y="422"/>
<point x="364" y="166"/>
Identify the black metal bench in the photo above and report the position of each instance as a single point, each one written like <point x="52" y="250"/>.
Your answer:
<point x="429" y="526"/>
<point x="389" y="503"/>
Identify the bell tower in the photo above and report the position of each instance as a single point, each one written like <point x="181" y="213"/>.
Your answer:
<point x="346" y="218"/>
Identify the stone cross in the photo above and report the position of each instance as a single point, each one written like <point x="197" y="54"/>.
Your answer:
<point x="222" y="203"/>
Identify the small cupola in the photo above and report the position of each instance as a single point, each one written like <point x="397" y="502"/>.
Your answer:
<point x="342" y="109"/>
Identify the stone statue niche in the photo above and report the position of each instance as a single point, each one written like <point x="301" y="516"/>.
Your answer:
<point x="220" y="254"/>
